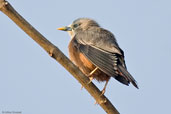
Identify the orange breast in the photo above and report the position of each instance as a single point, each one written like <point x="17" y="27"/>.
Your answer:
<point x="86" y="62"/>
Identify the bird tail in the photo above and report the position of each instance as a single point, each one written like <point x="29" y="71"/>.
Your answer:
<point x="125" y="77"/>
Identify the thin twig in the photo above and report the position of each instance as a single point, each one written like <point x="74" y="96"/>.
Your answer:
<point x="55" y="53"/>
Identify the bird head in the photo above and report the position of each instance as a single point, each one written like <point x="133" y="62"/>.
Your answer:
<point x="78" y="25"/>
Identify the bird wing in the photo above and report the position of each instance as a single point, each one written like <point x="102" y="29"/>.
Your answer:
<point x="101" y="48"/>
<point x="99" y="38"/>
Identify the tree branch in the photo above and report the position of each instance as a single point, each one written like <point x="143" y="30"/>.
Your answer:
<point x="55" y="53"/>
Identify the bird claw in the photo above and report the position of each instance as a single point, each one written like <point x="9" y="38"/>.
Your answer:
<point x="101" y="102"/>
<point x="103" y="92"/>
<point x="91" y="79"/>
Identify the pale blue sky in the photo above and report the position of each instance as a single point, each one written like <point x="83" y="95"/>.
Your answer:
<point x="32" y="82"/>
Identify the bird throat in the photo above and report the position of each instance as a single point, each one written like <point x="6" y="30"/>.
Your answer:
<point x="71" y="33"/>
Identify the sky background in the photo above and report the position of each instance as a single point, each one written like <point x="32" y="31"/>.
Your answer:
<point x="34" y="83"/>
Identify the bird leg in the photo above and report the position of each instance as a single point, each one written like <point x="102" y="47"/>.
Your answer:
<point x="90" y="75"/>
<point x="104" y="89"/>
<point x="92" y="72"/>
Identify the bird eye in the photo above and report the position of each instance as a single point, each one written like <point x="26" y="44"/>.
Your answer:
<point x="75" y="25"/>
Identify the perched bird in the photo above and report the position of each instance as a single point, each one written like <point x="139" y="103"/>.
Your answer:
<point x="96" y="52"/>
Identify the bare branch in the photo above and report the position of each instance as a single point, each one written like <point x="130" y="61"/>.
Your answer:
<point x="55" y="53"/>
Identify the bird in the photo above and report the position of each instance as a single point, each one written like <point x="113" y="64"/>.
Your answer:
<point x="96" y="52"/>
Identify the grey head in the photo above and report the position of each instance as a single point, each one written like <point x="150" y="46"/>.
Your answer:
<point x="83" y="24"/>
<point x="78" y="25"/>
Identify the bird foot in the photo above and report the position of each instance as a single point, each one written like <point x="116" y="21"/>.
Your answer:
<point x="91" y="79"/>
<point x="101" y="102"/>
<point x="103" y="92"/>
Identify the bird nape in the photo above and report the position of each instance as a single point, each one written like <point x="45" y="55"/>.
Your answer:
<point x="96" y="52"/>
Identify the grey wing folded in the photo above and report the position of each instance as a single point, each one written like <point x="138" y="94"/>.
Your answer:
<point x="103" y="60"/>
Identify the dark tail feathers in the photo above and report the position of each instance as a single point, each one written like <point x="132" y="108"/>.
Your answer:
<point x="126" y="77"/>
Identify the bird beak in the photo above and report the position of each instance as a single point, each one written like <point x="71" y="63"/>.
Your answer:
<point x="65" y="28"/>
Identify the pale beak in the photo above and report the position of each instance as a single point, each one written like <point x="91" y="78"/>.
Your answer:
<point x="65" y="28"/>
